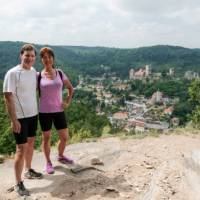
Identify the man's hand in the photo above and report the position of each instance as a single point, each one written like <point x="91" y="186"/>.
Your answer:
<point x="16" y="126"/>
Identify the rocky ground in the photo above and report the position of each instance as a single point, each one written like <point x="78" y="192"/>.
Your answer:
<point x="163" y="168"/>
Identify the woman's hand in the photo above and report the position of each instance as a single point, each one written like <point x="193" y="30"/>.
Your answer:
<point x="65" y="105"/>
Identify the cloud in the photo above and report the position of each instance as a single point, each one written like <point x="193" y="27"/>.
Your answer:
<point x="116" y="23"/>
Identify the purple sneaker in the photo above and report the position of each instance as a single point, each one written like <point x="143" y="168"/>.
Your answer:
<point x="49" y="168"/>
<point x="65" y="160"/>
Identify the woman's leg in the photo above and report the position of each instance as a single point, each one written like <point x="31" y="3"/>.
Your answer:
<point x="46" y="136"/>
<point x="63" y="136"/>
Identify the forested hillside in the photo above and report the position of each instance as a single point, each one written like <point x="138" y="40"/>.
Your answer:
<point x="83" y="119"/>
<point x="92" y="60"/>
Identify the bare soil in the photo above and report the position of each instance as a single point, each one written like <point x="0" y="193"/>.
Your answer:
<point x="162" y="168"/>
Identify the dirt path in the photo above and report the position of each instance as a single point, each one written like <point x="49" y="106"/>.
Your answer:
<point x="164" y="168"/>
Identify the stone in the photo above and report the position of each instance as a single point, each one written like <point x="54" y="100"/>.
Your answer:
<point x="96" y="161"/>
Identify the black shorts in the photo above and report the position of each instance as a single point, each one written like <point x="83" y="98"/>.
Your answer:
<point x="58" y="119"/>
<point x="28" y="129"/>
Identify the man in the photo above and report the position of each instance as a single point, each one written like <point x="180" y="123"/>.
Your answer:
<point x="19" y="90"/>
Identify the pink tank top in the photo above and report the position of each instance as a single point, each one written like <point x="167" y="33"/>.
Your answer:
<point x="51" y="94"/>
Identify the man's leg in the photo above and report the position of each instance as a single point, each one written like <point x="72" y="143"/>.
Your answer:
<point x="21" y="148"/>
<point x="32" y="127"/>
<point x="18" y="167"/>
<point x="30" y="173"/>
<point x="19" y="161"/>
<point x="29" y="152"/>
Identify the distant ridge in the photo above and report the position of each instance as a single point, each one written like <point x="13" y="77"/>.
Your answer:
<point x="89" y="60"/>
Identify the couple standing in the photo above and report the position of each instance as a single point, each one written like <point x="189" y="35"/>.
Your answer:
<point x="19" y="90"/>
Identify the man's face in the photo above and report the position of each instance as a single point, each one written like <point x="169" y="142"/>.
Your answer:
<point x="27" y="59"/>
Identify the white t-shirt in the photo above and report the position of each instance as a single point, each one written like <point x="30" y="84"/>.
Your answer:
<point x="22" y="83"/>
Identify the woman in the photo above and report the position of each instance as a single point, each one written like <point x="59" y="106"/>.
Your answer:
<point x="51" y="106"/>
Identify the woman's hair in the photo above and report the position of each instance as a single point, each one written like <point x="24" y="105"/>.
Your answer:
<point x="47" y="50"/>
<point x="27" y="47"/>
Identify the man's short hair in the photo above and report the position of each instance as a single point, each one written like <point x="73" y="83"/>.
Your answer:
<point x="27" y="47"/>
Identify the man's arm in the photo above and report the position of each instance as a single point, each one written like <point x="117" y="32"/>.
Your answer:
<point x="15" y="124"/>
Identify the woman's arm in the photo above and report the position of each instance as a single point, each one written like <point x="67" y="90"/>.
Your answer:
<point x="70" y="89"/>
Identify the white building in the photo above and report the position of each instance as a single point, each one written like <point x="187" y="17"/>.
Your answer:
<point x="157" y="97"/>
<point x="191" y="75"/>
<point x="119" y="119"/>
<point x="131" y="74"/>
<point x="171" y="72"/>
<point x="147" y="70"/>
<point x="135" y="108"/>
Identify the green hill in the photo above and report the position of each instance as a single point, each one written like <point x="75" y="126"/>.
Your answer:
<point x="89" y="60"/>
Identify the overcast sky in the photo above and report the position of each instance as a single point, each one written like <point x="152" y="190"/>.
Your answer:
<point x="110" y="23"/>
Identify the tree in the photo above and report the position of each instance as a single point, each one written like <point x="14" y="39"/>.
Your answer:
<point x="194" y="93"/>
<point x="7" y="142"/>
<point x="182" y="110"/>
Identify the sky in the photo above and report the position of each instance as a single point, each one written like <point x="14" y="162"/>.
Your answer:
<point x="109" y="23"/>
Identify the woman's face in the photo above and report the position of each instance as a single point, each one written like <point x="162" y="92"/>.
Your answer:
<point x="47" y="60"/>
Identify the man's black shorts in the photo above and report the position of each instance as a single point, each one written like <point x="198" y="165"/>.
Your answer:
<point x="58" y="119"/>
<point x="28" y="129"/>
